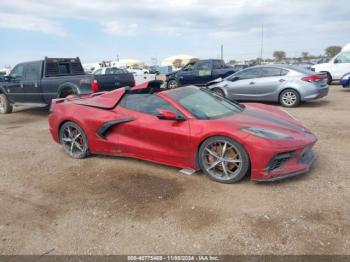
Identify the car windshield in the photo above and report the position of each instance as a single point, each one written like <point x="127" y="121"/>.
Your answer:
<point x="202" y="104"/>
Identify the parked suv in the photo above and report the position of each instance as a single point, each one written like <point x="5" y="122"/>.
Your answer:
<point x="38" y="82"/>
<point x="336" y="67"/>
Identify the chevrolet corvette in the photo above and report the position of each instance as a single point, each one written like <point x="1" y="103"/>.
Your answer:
<point x="189" y="128"/>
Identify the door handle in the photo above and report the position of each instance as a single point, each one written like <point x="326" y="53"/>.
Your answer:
<point x="252" y="83"/>
<point x="281" y="80"/>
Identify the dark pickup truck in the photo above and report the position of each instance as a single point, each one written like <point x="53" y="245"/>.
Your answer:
<point x="38" y="82"/>
<point x="199" y="73"/>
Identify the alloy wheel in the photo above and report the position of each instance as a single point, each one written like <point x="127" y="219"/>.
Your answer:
<point x="222" y="160"/>
<point x="73" y="141"/>
<point x="289" y="98"/>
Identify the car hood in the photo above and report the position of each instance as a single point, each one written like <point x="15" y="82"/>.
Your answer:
<point x="267" y="117"/>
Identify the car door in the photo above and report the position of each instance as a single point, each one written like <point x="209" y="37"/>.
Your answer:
<point x="149" y="137"/>
<point x="241" y="85"/>
<point x="186" y="76"/>
<point x="31" y="82"/>
<point x="203" y="72"/>
<point x="14" y="87"/>
<point x="341" y="65"/>
<point x="266" y="85"/>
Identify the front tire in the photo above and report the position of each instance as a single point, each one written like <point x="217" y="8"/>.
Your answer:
<point x="172" y="84"/>
<point x="5" y="106"/>
<point x="289" y="98"/>
<point x="74" y="140"/>
<point x="219" y="92"/>
<point x="223" y="160"/>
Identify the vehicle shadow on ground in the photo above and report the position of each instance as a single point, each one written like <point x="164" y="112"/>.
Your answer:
<point x="311" y="104"/>
<point x="38" y="111"/>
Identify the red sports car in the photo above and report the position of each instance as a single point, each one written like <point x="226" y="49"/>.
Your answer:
<point x="188" y="127"/>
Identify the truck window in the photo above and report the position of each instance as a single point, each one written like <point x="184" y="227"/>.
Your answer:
<point x="32" y="71"/>
<point x="17" y="72"/>
<point x="204" y="65"/>
<point x="98" y="72"/>
<point x="63" y="67"/>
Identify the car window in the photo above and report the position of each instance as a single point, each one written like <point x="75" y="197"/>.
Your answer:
<point x="17" y="71"/>
<point x="114" y="70"/>
<point x="218" y="64"/>
<point x="32" y="71"/>
<point x="270" y="71"/>
<point x="343" y="58"/>
<point x="204" y="65"/>
<point x="98" y="72"/>
<point x="147" y="103"/>
<point x="188" y="67"/>
<point x="202" y="104"/>
<point x="249" y="73"/>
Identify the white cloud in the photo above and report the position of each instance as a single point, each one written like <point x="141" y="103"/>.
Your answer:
<point x="30" y="23"/>
<point x="118" y="29"/>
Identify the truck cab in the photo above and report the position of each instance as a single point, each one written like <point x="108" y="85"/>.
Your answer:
<point x="199" y="73"/>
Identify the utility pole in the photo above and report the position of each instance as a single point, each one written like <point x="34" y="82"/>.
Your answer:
<point x="262" y="43"/>
<point x="222" y="52"/>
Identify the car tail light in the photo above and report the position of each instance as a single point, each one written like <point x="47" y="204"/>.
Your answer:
<point x="133" y="83"/>
<point x="94" y="86"/>
<point x="313" y="78"/>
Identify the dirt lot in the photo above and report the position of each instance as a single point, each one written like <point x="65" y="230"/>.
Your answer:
<point x="110" y="205"/>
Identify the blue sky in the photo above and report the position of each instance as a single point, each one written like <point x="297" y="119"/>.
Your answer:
<point x="146" y="29"/>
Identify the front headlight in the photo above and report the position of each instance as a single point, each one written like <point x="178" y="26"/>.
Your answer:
<point x="265" y="133"/>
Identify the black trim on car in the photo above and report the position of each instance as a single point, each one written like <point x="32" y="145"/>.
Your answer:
<point x="105" y="128"/>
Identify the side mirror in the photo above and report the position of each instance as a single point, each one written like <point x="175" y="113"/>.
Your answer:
<point x="234" y="79"/>
<point x="336" y="61"/>
<point x="168" y="115"/>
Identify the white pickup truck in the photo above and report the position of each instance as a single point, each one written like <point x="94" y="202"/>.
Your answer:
<point x="336" y="67"/>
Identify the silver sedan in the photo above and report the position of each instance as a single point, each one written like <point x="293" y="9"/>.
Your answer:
<point x="286" y="84"/>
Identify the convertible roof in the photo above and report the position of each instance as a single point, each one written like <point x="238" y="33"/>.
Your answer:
<point x="109" y="100"/>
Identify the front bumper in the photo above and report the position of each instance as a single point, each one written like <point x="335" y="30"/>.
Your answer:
<point x="280" y="176"/>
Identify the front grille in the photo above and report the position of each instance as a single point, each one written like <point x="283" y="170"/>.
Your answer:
<point x="279" y="160"/>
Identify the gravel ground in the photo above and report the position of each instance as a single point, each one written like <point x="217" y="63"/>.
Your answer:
<point x="111" y="205"/>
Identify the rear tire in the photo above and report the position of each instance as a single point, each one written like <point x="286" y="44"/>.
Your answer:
<point x="289" y="98"/>
<point x="74" y="140"/>
<point x="68" y="93"/>
<point x="5" y="106"/>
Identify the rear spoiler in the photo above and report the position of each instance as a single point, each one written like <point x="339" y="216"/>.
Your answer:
<point x="75" y="98"/>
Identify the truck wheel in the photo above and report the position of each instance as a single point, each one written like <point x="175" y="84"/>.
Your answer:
<point x="68" y="93"/>
<point x="172" y="84"/>
<point x="5" y="106"/>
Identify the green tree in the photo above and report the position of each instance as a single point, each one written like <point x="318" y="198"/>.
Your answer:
<point x="177" y="63"/>
<point x="232" y="62"/>
<point x="279" y="55"/>
<point x="332" y="50"/>
<point x="305" y="55"/>
<point x="192" y="60"/>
